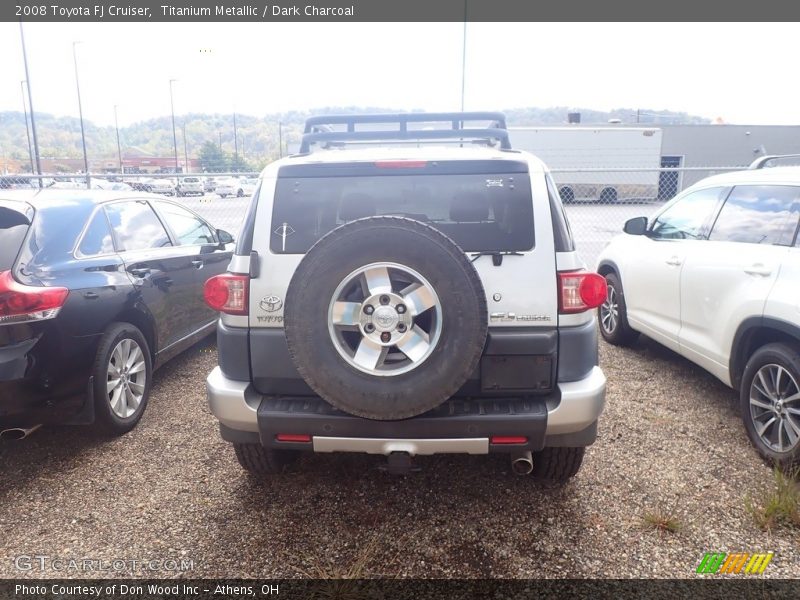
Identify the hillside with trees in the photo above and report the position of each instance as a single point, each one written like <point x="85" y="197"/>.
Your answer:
<point x="210" y="136"/>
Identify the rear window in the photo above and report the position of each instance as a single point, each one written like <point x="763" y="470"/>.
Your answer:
<point x="480" y="211"/>
<point x="15" y="219"/>
<point x="191" y="180"/>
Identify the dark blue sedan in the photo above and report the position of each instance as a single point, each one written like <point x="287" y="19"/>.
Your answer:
<point x="97" y="290"/>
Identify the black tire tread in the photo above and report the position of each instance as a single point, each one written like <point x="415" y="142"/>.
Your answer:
<point x="307" y="372"/>
<point x="790" y="356"/>
<point x="104" y="422"/>
<point x="558" y="465"/>
<point x="258" y="460"/>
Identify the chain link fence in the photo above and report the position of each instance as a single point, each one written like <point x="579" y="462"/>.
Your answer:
<point x="598" y="201"/>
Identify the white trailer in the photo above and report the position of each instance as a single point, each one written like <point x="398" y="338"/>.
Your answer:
<point x="606" y="164"/>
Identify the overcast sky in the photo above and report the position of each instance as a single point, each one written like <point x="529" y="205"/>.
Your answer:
<point x="735" y="71"/>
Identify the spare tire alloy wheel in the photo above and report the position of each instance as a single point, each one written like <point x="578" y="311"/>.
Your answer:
<point x="396" y="333"/>
<point x="385" y="318"/>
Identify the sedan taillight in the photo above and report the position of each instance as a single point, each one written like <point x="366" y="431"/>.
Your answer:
<point x="21" y="303"/>
<point x="227" y="293"/>
<point x="580" y="291"/>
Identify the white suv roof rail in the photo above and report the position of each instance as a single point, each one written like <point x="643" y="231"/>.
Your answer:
<point x="762" y="161"/>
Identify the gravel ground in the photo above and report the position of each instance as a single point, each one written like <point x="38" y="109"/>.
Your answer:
<point x="670" y="440"/>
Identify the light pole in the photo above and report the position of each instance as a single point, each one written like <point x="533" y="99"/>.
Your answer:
<point x="80" y="113"/>
<point x="185" y="152"/>
<point x="30" y="105"/>
<point x="235" y="144"/>
<point x="27" y="129"/>
<point x="280" y="139"/>
<point x="174" y="135"/>
<point x="119" y="148"/>
<point x="464" y="57"/>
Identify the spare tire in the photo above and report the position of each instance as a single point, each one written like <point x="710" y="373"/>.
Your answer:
<point x="385" y="318"/>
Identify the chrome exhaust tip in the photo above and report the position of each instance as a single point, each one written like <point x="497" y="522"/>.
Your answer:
<point x="522" y="463"/>
<point x="17" y="433"/>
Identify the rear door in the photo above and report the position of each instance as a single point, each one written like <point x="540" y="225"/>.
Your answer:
<point x="730" y="278"/>
<point x="485" y="206"/>
<point x="199" y="242"/>
<point x="651" y="276"/>
<point x="162" y="274"/>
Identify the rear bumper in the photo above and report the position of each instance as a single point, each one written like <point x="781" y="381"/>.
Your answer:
<point x="43" y="379"/>
<point x="565" y="418"/>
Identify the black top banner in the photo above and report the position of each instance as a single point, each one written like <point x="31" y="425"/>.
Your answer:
<point x="397" y="10"/>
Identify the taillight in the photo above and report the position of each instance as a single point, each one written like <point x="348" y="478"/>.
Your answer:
<point x="20" y="303"/>
<point x="227" y="293"/>
<point x="580" y="291"/>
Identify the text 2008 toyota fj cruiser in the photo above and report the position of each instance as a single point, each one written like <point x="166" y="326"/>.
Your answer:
<point x="417" y="298"/>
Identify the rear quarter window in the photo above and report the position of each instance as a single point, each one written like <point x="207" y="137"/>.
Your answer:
<point x="97" y="237"/>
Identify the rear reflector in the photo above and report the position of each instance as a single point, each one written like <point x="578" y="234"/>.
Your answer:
<point x="508" y="439"/>
<point x="227" y="293"/>
<point x="293" y="437"/>
<point x="580" y="291"/>
<point x="20" y="303"/>
<point x="401" y="164"/>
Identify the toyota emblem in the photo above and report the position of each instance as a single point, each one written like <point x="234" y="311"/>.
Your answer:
<point x="271" y="303"/>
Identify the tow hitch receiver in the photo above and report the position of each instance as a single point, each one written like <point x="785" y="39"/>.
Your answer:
<point x="399" y="463"/>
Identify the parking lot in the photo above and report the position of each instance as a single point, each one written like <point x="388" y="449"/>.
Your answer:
<point x="671" y="443"/>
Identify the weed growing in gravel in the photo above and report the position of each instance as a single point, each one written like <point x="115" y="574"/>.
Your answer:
<point x="662" y="521"/>
<point x="780" y="506"/>
<point x="325" y="568"/>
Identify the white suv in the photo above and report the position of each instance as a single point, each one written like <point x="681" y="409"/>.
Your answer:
<point x="408" y="300"/>
<point x="715" y="276"/>
<point x="190" y="185"/>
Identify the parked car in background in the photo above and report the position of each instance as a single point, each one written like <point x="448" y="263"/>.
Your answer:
<point x="228" y="187"/>
<point x="160" y="185"/>
<point x="248" y="186"/>
<point x="65" y="183"/>
<point x="209" y="184"/>
<point x="189" y="186"/>
<point x="97" y="290"/>
<point x="105" y="184"/>
<point x="714" y="275"/>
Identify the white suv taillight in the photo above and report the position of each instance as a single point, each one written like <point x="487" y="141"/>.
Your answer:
<point x="580" y="291"/>
<point x="22" y="303"/>
<point x="227" y="293"/>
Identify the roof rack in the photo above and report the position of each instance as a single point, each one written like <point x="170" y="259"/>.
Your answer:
<point x="318" y="129"/>
<point x="762" y="161"/>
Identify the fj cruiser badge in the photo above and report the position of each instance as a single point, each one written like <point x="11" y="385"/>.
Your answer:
<point x="499" y="316"/>
<point x="271" y="303"/>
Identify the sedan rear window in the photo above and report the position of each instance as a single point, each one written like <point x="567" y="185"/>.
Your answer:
<point x="15" y="219"/>
<point x="490" y="211"/>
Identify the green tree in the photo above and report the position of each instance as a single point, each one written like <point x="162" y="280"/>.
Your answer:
<point x="239" y="165"/>
<point x="212" y="159"/>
